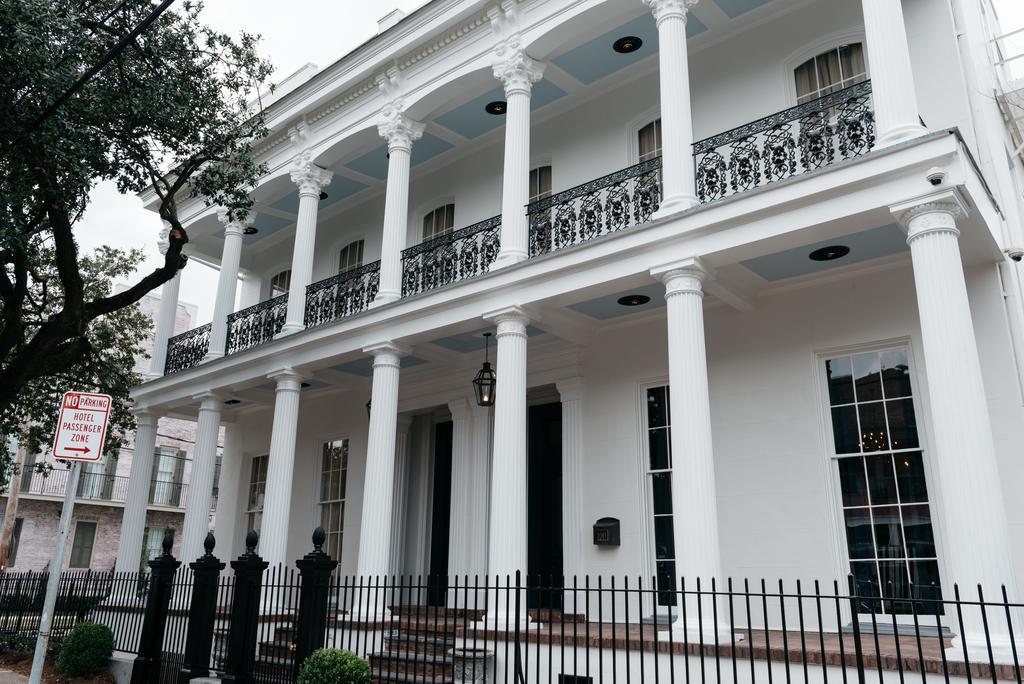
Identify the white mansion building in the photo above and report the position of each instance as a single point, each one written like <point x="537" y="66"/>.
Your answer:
<point x="749" y="267"/>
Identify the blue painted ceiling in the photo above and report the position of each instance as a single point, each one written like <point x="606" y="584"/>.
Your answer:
<point x="735" y="8"/>
<point x="340" y="188"/>
<point x="604" y="308"/>
<point x="375" y="162"/>
<point x="364" y="367"/>
<point x="470" y="120"/>
<point x="474" y="341"/>
<point x="869" y="244"/>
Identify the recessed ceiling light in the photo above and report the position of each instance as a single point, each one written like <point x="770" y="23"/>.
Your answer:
<point x="498" y="107"/>
<point x="305" y="385"/>
<point x="323" y="195"/>
<point x="250" y="230"/>
<point x="232" y="402"/>
<point x="634" y="300"/>
<point x="627" y="44"/>
<point x="829" y="253"/>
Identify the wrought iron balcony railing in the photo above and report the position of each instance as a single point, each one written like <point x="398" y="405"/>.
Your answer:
<point x="101" y="487"/>
<point x="256" y="324"/>
<point x="448" y="258"/>
<point x="342" y="295"/>
<point x="810" y="136"/>
<point x="187" y="349"/>
<point x="604" y="205"/>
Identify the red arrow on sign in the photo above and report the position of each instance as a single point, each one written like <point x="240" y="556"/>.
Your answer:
<point x="83" y="450"/>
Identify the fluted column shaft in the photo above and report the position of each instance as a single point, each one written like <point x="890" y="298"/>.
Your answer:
<point x="977" y="539"/>
<point x="378" y="487"/>
<point x="200" y="486"/>
<point x="678" y="177"/>
<point x="480" y="486"/>
<point x="133" y="520"/>
<point x="518" y="73"/>
<point x="277" y="501"/>
<point x="400" y="132"/>
<point x="892" y="77"/>
<point x="164" y="324"/>
<point x="226" y="517"/>
<point x="227" y="283"/>
<point x="462" y="511"/>
<point x="571" y="392"/>
<point x="401" y="495"/>
<point x="508" y="550"/>
<point x="311" y="180"/>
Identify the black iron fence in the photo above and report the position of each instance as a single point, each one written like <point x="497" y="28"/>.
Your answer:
<point x="451" y="257"/>
<point x="342" y="295"/>
<point x="256" y="324"/>
<point x="258" y="624"/>
<point x="187" y="349"/>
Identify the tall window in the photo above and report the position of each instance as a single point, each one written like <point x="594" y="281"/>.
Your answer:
<point x="649" y="140"/>
<point x="886" y="513"/>
<point x="439" y="221"/>
<point x="168" y="470"/>
<point x="97" y="479"/>
<point x="280" y="283"/>
<point x="659" y="475"/>
<point x="333" y="476"/>
<point x="830" y="71"/>
<point x="81" y="547"/>
<point x="540" y="183"/>
<point x="12" y="557"/>
<point x="351" y="256"/>
<point x="257" y="490"/>
<point x="153" y="545"/>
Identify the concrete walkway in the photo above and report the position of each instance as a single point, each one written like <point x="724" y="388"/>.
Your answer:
<point x="8" y="677"/>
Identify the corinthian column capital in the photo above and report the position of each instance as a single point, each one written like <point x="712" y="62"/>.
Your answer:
<point x="163" y="238"/>
<point x="236" y="225"/>
<point x="399" y="130"/>
<point x="669" y="9"/>
<point x="516" y="70"/>
<point x="310" y="178"/>
<point x="937" y="213"/>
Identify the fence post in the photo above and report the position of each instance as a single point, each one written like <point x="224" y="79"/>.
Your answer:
<point x="245" y="612"/>
<point x="202" y="613"/>
<point x="315" y="573"/>
<point x="854" y="612"/>
<point x="146" y="667"/>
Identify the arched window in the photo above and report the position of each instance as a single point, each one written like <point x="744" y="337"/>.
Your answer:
<point x="832" y="70"/>
<point x="649" y="140"/>
<point x="280" y="283"/>
<point x="439" y="221"/>
<point x="351" y="256"/>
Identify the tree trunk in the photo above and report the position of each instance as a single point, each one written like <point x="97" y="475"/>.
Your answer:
<point x="11" y="511"/>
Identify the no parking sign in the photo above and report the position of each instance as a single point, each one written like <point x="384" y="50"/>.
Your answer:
<point x="81" y="426"/>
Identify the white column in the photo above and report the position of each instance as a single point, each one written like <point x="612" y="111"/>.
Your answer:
<point x="225" y="519"/>
<point x="892" y="78"/>
<point x="508" y="551"/>
<point x="517" y="72"/>
<point x="969" y="502"/>
<point x="133" y="521"/>
<point x="480" y="485"/>
<point x="400" y="132"/>
<point x="200" y="486"/>
<point x="378" y="487"/>
<point x="694" y="508"/>
<point x="401" y="495"/>
<point x="166" y="315"/>
<point x="571" y="392"/>
<point x="462" y="512"/>
<point x="678" y="179"/>
<point x="311" y="180"/>
<point x="277" y="502"/>
<point x="227" y="281"/>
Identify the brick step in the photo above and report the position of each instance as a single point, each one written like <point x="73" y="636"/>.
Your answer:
<point x="276" y="650"/>
<point x="418" y="643"/>
<point x="402" y="678"/>
<point x="424" y="664"/>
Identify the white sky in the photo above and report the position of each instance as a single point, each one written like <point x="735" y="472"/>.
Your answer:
<point x="294" y="33"/>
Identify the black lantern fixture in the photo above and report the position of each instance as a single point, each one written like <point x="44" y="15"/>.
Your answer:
<point x="483" y="383"/>
<point x="368" y="404"/>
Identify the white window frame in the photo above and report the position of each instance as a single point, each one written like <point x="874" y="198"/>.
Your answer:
<point x="830" y="469"/>
<point x="319" y="502"/>
<point x="248" y="491"/>
<point x="268" y="288"/>
<point x="823" y="44"/>
<point x="633" y="133"/>
<point x="645" y="505"/>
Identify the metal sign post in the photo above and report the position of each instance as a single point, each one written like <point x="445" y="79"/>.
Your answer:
<point x="81" y="427"/>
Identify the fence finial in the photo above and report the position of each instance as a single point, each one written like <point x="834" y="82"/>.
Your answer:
<point x="168" y="541"/>
<point x="209" y="543"/>
<point x="319" y="537"/>
<point x="251" y="540"/>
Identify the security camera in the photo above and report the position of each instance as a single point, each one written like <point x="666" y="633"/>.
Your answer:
<point x="936" y="176"/>
<point x="1015" y="253"/>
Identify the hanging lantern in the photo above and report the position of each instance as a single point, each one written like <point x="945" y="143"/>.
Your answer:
<point x="483" y="383"/>
<point x="368" y="403"/>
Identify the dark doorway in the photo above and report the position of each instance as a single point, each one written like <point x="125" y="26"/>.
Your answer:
<point x="440" y="514"/>
<point x="544" y="482"/>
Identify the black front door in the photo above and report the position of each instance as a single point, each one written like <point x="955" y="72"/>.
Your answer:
<point x="544" y="544"/>
<point x="440" y="514"/>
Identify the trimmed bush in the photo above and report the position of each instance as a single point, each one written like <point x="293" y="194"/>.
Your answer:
<point x="334" y="666"/>
<point x="86" y="650"/>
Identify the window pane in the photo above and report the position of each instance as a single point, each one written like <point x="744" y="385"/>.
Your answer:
<point x="925" y="577"/>
<point x="840" y="380"/>
<point x="865" y="582"/>
<point x="917" y="526"/>
<point x="661" y="486"/>
<point x="657" y="407"/>
<point x="844" y="427"/>
<point x="910" y="476"/>
<point x="828" y="72"/>
<point x="873" y="435"/>
<point x="895" y="373"/>
<point x="666" y="583"/>
<point x="895" y="579"/>
<point x="806" y="82"/>
<point x="888" y="532"/>
<point x="858" y="533"/>
<point x="659" y="449"/>
<point x="664" y="542"/>
<point x="851" y="60"/>
<point x="881" y="479"/>
<point x="852" y="482"/>
<point x="866" y="376"/>
<point x="902" y="423"/>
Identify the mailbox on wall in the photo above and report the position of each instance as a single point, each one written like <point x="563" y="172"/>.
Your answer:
<point x="606" y="532"/>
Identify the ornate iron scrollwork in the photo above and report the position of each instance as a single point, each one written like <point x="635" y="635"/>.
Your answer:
<point x="810" y="136"/>
<point x="604" y="205"/>
<point x="342" y="295"/>
<point x="452" y="257"/>
<point x="257" y="324"/>
<point x="187" y="349"/>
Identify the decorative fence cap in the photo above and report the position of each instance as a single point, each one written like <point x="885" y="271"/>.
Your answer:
<point x="251" y="540"/>
<point x="209" y="543"/>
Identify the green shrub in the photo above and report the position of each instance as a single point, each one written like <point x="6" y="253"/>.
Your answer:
<point x="10" y="643"/>
<point x="334" y="666"/>
<point x="86" y="650"/>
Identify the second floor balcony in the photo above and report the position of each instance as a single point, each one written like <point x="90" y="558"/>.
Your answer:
<point x="101" y="488"/>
